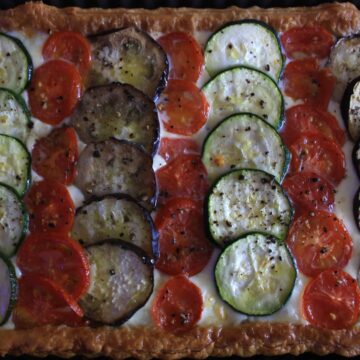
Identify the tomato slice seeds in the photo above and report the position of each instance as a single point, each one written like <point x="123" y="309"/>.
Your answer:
<point x="309" y="191"/>
<point x="50" y="207"/>
<point x="182" y="108"/>
<point x="319" y="241"/>
<point x="304" y="80"/>
<point x="305" y="41"/>
<point x="315" y="153"/>
<point x="70" y="46"/>
<point x="54" y="156"/>
<point x="184" y="248"/>
<point x="185" y="176"/>
<point x="171" y="148"/>
<point x="184" y="54"/>
<point x="331" y="300"/>
<point x="57" y="257"/>
<point x="301" y="119"/>
<point x="178" y="305"/>
<point x="54" y="91"/>
<point x="42" y="302"/>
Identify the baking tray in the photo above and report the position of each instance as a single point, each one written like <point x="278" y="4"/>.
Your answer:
<point x="149" y="4"/>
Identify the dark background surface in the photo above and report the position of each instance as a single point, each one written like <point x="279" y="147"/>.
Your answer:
<point x="6" y="4"/>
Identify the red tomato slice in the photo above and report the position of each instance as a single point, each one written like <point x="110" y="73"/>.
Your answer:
<point x="314" y="153"/>
<point x="319" y="241"/>
<point x="70" y="46"/>
<point x="309" y="191"/>
<point x="304" y="80"/>
<point x="172" y="148"/>
<point x="54" y="156"/>
<point x="306" y="41"/>
<point x="184" y="176"/>
<point x="331" y="300"/>
<point x="182" y="108"/>
<point x="58" y="258"/>
<point x="184" y="248"/>
<point x="42" y="302"/>
<point x="304" y="118"/>
<point x="184" y="54"/>
<point x="54" y="91"/>
<point x="178" y="305"/>
<point x="50" y="207"/>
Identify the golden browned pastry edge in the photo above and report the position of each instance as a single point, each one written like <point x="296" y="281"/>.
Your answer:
<point x="246" y="339"/>
<point x="339" y="18"/>
<point x="145" y="343"/>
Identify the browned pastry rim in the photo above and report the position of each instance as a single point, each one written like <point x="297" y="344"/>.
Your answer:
<point x="341" y="19"/>
<point x="246" y="339"/>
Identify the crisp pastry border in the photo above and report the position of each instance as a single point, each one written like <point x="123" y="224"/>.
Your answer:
<point x="246" y="339"/>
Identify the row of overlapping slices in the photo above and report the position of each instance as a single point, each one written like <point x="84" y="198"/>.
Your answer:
<point x="120" y="126"/>
<point x="248" y="213"/>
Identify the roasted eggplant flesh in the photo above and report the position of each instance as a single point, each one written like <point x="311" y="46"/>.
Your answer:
<point x="118" y="111"/>
<point x="121" y="281"/>
<point x="345" y="63"/>
<point x="350" y="108"/>
<point x="129" y="56"/>
<point x="115" y="217"/>
<point x="117" y="167"/>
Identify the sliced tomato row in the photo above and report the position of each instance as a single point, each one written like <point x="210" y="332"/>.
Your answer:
<point x="184" y="249"/>
<point x="55" y="270"/>
<point x="182" y="107"/>
<point x="57" y="85"/>
<point x="318" y="240"/>
<point x="55" y="274"/>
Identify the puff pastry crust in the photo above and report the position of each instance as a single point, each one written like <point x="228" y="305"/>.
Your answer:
<point x="247" y="339"/>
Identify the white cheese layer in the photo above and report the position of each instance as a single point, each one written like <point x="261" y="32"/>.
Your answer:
<point x="216" y="312"/>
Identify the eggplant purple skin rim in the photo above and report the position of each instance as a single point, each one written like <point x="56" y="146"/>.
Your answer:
<point x="356" y="208"/>
<point x="146" y="214"/>
<point x="345" y="101"/>
<point x="355" y="160"/>
<point x="165" y="74"/>
<point x="145" y="259"/>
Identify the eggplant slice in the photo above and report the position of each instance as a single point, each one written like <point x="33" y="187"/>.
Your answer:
<point x="116" y="217"/>
<point x="345" y="63"/>
<point x="350" y="108"/>
<point x="119" y="111"/>
<point x="121" y="282"/>
<point x="117" y="167"/>
<point x="129" y="56"/>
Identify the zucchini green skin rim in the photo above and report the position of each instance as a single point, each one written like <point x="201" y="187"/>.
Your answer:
<point x="28" y="58"/>
<point x="146" y="214"/>
<point x="145" y="259"/>
<point x="282" y="106"/>
<point x="22" y="103"/>
<point x="13" y="287"/>
<point x="25" y="217"/>
<point x="207" y="211"/>
<point x="286" y="152"/>
<point x="292" y="261"/>
<point x="257" y="22"/>
<point x="28" y="177"/>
